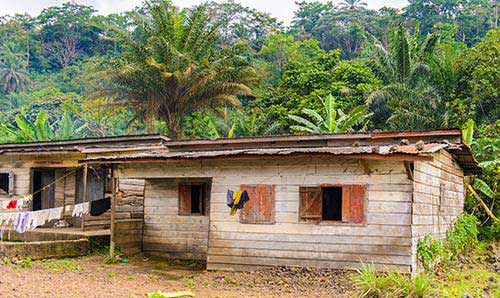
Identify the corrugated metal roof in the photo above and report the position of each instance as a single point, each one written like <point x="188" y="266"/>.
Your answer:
<point x="461" y="152"/>
<point x="380" y="150"/>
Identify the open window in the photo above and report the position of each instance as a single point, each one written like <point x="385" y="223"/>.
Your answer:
<point x="6" y="183"/>
<point x="192" y="198"/>
<point x="338" y="203"/>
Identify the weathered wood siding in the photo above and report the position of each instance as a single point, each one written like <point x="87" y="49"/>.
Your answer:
<point x="385" y="238"/>
<point x="438" y="197"/>
<point x="128" y="235"/>
<point x="130" y="206"/>
<point x="167" y="232"/>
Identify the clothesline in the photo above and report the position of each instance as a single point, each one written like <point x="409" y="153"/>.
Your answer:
<point x="19" y="203"/>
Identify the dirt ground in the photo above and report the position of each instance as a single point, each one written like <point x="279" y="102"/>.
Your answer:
<point x="90" y="277"/>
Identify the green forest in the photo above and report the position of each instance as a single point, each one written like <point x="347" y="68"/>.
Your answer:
<point x="225" y="70"/>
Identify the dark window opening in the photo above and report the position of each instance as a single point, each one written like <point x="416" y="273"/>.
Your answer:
<point x="191" y="198"/>
<point x="196" y="199"/>
<point x="332" y="203"/>
<point x="4" y="183"/>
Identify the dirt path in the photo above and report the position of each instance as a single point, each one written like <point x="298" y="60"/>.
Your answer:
<point x="89" y="277"/>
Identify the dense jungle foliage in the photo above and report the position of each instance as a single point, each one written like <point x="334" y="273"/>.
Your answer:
<point x="226" y="70"/>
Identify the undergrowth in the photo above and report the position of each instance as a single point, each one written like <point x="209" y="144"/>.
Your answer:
<point x="370" y="284"/>
<point x="462" y="236"/>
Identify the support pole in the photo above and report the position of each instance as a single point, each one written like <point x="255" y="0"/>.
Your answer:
<point x="113" y="209"/>
<point x="85" y="173"/>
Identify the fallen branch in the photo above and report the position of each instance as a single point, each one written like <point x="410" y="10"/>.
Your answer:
<point x="488" y="211"/>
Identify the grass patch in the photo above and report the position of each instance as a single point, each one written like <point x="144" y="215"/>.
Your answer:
<point x="24" y="264"/>
<point x="62" y="265"/>
<point x="370" y="284"/>
<point x="189" y="282"/>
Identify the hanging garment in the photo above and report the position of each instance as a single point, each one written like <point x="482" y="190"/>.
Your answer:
<point x="4" y="204"/>
<point x="7" y="218"/>
<point x="21" y="222"/>
<point x="12" y="204"/>
<point x="243" y="199"/>
<point x="236" y="197"/>
<point x="98" y="207"/>
<point x="229" y="198"/>
<point x="55" y="213"/>
<point x="20" y="204"/>
<point x="80" y="209"/>
<point x="43" y="217"/>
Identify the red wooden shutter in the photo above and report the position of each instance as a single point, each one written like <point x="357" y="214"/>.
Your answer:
<point x="184" y="199"/>
<point x="260" y="207"/>
<point x="310" y="205"/>
<point x="353" y="203"/>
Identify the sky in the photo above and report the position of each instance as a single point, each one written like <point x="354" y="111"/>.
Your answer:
<point x="281" y="9"/>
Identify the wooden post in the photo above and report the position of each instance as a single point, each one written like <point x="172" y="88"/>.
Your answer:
<point x="85" y="173"/>
<point x="113" y="208"/>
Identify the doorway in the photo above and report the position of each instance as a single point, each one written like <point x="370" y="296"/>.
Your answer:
<point x="39" y="179"/>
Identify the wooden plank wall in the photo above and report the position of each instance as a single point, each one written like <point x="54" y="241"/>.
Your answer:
<point x="166" y="232"/>
<point x="128" y="235"/>
<point x="438" y="197"/>
<point x="130" y="206"/>
<point x="385" y="238"/>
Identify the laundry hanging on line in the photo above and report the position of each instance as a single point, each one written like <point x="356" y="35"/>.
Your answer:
<point x="236" y="200"/>
<point x="98" y="207"/>
<point x="80" y="209"/>
<point x="29" y="220"/>
<point x="17" y="204"/>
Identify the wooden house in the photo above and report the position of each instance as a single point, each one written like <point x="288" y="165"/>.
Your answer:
<point x="28" y="167"/>
<point x="326" y="201"/>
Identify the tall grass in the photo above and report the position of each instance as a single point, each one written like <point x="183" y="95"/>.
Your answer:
<point x="370" y="284"/>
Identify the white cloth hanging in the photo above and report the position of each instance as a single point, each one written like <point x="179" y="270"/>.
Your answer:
<point x="80" y="209"/>
<point x="4" y="204"/>
<point x="55" y="213"/>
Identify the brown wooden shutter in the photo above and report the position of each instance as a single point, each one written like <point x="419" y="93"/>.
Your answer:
<point x="260" y="207"/>
<point x="310" y="205"/>
<point x="184" y="199"/>
<point x="353" y="203"/>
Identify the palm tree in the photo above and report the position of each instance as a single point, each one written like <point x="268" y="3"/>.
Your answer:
<point x="173" y="67"/>
<point x="408" y="100"/>
<point x="353" y="4"/>
<point x="333" y="120"/>
<point x="14" y="76"/>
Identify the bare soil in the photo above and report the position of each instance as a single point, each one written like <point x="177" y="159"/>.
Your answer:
<point x="90" y="277"/>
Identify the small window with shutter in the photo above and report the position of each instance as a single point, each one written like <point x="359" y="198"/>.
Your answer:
<point x="191" y="199"/>
<point x="339" y="203"/>
<point x="6" y="183"/>
<point x="260" y="208"/>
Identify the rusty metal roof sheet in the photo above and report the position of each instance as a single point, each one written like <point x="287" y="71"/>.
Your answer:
<point x="462" y="153"/>
<point x="380" y="150"/>
<point x="84" y="141"/>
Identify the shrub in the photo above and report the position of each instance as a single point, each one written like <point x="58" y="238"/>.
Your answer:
<point x="461" y="237"/>
<point x="430" y="251"/>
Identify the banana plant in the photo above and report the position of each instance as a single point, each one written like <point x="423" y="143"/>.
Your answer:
<point x="478" y="185"/>
<point x="40" y="129"/>
<point x="332" y="120"/>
